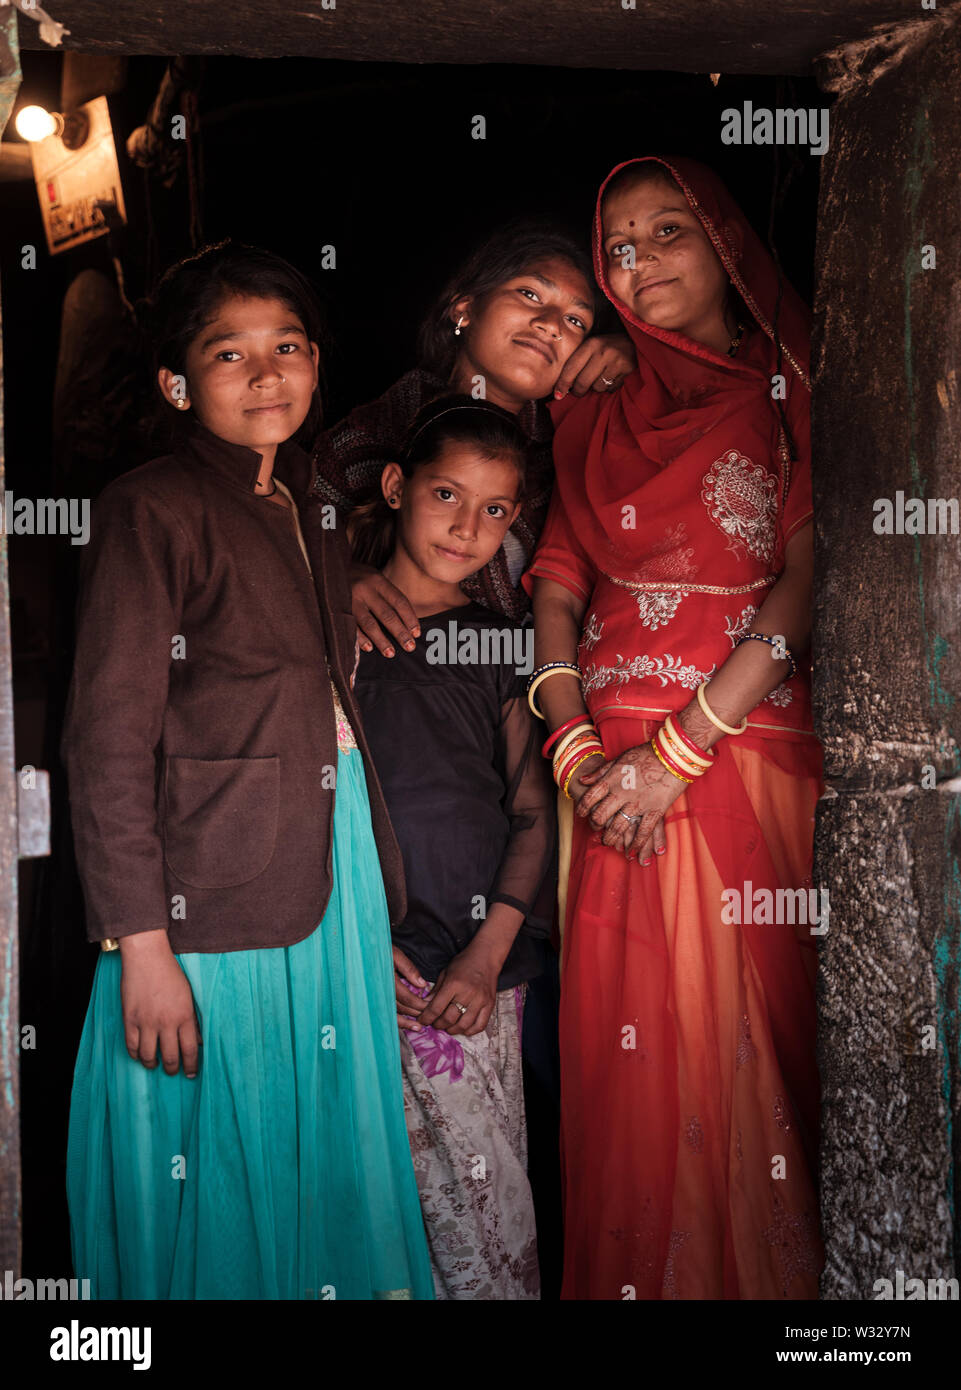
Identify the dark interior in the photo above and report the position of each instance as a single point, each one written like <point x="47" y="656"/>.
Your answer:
<point x="377" y="160"/>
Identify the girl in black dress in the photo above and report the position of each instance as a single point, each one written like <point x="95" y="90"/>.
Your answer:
<point x="472" y="805"/>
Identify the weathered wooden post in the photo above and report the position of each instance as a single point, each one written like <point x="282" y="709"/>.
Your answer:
<point x="887" y="420"/>
<point x="9" y="846"/>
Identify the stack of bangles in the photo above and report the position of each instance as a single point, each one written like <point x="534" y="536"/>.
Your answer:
<point x="577" y="740"/>
<point x="679" y="753"/>
<point x="677" y="750"/>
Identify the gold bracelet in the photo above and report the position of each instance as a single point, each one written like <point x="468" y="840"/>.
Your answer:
<point x="552" y="671"/>
<point x="109" y="943"/>
<point x="660" y="758"/>
<point x="567" y="782"/>
<point x="718" y="724"/>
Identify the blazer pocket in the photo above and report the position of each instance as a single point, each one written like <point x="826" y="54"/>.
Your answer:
<point x="220" y="823"/>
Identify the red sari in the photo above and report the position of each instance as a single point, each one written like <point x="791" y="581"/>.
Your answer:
<point x="689" y="1085"/>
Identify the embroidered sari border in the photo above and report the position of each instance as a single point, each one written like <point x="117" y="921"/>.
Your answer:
<point x="653" y="709"/>
<point x="729" y="264"/>
<point x="659" y="586"/>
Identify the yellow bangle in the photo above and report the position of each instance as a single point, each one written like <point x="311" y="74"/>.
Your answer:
<point x="675" y="741"/>
<point x="657" y="754"/>
<point x="109" y="943"/>
<point x="567" y="780"/>
<point x="725" y="728"/>
<point x="591" y="745"/>
<point x="553" y="671"/>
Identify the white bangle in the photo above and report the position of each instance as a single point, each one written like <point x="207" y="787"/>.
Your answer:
<point x="718" y="723"/>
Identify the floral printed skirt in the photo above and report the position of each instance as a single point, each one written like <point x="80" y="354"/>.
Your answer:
<point x="464" y="1101"/>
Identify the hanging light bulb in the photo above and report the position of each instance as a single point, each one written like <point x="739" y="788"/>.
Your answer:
<point x="36" y="123"/>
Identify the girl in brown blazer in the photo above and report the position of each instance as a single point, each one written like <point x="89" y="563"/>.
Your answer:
<point x="237" y="1125"/>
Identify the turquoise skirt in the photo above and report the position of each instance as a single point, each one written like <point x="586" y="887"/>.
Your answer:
<point x="283" y="1171"/>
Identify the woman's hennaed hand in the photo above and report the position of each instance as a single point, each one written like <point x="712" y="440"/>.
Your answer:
<point x="577" y="786"/>
<point x="636" y="785"/>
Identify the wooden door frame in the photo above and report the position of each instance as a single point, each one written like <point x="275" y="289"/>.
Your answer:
<point x="10" y="77"/>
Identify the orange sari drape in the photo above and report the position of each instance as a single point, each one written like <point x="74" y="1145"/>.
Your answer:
<point x="689" y="1087"/>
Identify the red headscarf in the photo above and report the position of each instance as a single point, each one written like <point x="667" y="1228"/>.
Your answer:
<point x="683" y="399"/>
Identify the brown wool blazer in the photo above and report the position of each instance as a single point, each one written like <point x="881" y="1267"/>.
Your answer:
<point x="200" y="741"/>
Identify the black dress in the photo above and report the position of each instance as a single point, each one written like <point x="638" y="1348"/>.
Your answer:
<point x="470" y="796"/>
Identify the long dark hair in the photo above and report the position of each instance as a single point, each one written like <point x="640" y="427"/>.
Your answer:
<point x="188" y="296"/>
<point x="492" y="431"/>
<point x="509" y="252"/>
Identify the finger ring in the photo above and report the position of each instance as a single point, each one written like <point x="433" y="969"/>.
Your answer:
<point x="462" y="1007"/>
<point x="607" y="381"/>
<point x="632" y="819"/>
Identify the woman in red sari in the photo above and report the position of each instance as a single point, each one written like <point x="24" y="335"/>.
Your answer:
<point x="681" y="523"/>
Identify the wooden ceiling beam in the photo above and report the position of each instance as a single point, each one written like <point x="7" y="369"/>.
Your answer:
<point x="729" y="36"/>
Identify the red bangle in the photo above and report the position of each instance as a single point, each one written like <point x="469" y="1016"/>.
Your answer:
<point x="565" y="728"/>
<point x="579" y="754"/>
<point x="574" y="740"/>
<point x="670" y="763"/>
<point x="568" y="773"/>
<point x="676" y="727"/>
<point x="653" y="745"/>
